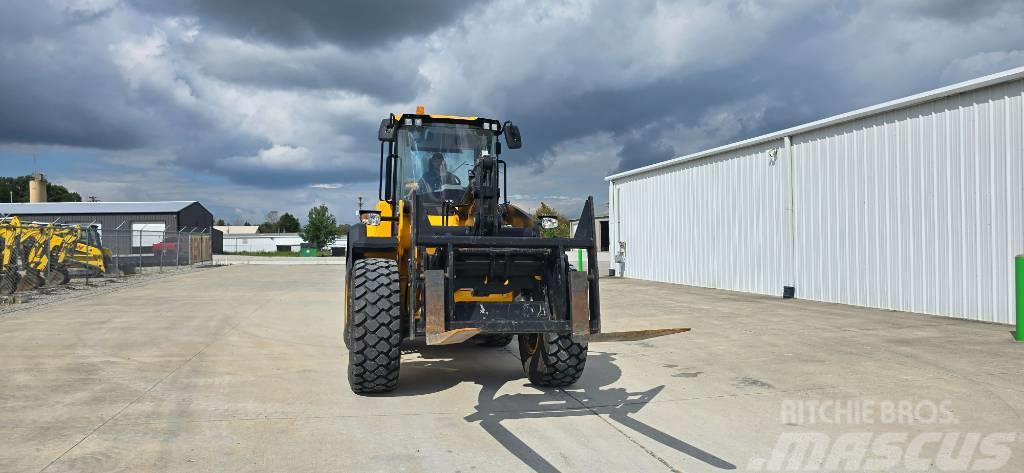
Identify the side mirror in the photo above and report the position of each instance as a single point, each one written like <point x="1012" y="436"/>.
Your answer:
<point x="512" y="137"/>
<point x="386" y="132"/>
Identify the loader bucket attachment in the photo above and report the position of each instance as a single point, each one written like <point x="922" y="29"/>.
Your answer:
<point x="510" y="282"/>
<point x="30" y="281"/>
<point x="9" y="283"/>
<point x="109" y="269"/>
<point x="53" y="278"/>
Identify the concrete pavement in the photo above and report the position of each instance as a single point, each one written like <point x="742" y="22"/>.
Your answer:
<point x="242" y="368"/>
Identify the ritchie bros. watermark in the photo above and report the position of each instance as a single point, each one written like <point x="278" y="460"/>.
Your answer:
<point x="881" y="435"/>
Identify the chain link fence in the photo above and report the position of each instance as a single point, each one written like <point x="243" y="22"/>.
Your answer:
<point x="133" y="251"/>
<point x="35" y="256"/>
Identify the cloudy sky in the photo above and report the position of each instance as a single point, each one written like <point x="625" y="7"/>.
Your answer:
<point x="258" y="105"/>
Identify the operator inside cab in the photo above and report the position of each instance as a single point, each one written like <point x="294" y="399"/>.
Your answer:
<point x="436" y="175"/>
<point x="435" y="160"/>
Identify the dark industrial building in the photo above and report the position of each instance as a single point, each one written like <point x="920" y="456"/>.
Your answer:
<point x="148" y="220"/>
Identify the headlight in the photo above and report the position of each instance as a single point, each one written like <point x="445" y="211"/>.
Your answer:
<point x="370" y="217"/>
<point x="549" y="222"/>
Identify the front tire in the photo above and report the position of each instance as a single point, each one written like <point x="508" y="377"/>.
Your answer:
<point x="374" y="326"/>
<point x="552" y="360"/>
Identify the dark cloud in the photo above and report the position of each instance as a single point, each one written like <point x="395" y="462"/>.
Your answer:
<point x="375" y="73"/>
<point x="956" y="11"/>
<point x="273" y="97"/>
<point x="303" y="22"/>
<point x="57" y="88"/>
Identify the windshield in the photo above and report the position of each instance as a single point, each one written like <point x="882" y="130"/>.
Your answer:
<point x="435" y="160"/>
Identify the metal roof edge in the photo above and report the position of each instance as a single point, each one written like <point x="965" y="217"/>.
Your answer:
<point x="954" y="89"/>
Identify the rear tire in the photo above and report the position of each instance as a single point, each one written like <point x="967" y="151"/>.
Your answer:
<point x="552" y="360"/>
<point x="374" y="326"/>
<point x="495" y="340"/>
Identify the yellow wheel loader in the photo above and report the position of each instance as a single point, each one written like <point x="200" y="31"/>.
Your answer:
<point x="445" y="257"/>
<point x="89" y="253"/>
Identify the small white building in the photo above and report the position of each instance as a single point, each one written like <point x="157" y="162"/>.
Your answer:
<point x="600" y="229"/>
<point x="229" y="229"/>
<point x="268" y="242"/>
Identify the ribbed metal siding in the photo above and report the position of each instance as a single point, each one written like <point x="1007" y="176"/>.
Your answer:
<point x="717" y="222"/>
<point x="918" y="209"/>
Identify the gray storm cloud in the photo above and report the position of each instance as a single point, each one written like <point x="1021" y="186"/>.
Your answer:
<point x="277" y="98"/>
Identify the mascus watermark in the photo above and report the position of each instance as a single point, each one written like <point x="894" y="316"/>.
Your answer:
<point x="936" y="449"/>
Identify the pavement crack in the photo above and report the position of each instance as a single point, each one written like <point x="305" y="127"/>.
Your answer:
<point x="226" y="331"/>
<point x="621" y="432"/>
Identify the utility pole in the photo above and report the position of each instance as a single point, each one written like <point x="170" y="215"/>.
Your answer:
<point x="360" y="202"/>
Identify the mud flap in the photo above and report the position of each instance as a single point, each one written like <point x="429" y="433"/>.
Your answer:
<point x="434" y="296"/>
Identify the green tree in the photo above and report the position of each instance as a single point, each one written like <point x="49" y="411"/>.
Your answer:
<point x="343" y="229"/>
<point x="288" y="224"/>
<point x="321" y="227"/>
<point x="562" y="230"/>
<point x="269" y="224"/>
<point x="220" y="222"/>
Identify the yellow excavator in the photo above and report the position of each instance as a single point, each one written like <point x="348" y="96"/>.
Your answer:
<point x="444" y="257"/>
<point x="45" y="252"/>
<point x="44" y="248"/>
<point x="9" y="234"/>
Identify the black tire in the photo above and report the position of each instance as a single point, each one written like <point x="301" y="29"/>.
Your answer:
<point x="374" y="326"/>
<point x="552" y="360"/>
<point x="495" y="340"/>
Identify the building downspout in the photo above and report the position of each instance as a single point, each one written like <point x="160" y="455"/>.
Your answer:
<point x="789" y="273"/>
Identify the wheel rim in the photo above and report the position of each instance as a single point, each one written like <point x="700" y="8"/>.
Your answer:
<point x="532" y="344"/>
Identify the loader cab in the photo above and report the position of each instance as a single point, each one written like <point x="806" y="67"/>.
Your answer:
<point x="434" y="154"/>
<point x="435" y="159"/>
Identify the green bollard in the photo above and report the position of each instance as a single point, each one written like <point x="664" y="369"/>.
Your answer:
<point x="1019" y="334"/>
<point x="579" y="265"/>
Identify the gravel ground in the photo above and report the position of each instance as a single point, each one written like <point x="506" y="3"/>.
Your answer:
<point x="78" y="287"/>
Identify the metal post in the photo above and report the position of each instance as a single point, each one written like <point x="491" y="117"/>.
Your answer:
<point x="1019" y="333"/>
<point x="117" y="252"/>
<point x="177" y="251"/>
<point x="140" y="250"/>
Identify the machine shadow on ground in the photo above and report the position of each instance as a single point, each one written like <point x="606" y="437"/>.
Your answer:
<point x="443" y="367"/>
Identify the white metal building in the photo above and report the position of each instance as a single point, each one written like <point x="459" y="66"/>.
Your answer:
<point x="268" y="242"/>
<point x="914" y="205"/>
